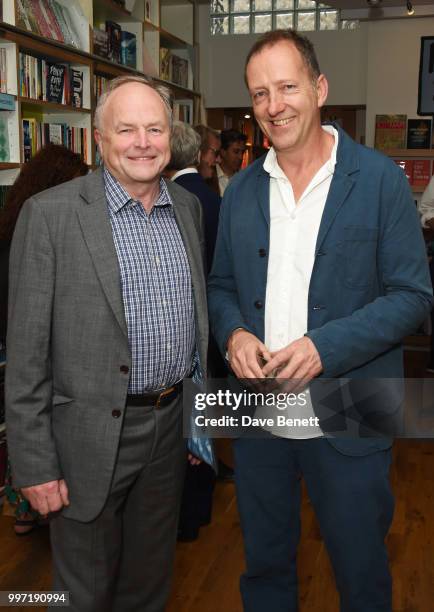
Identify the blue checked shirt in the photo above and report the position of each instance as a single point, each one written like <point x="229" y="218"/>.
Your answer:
<point x="156" y="288"/>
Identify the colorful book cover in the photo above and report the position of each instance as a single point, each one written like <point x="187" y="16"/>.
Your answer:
<point x="128" y="49"/>
<point x="100" y="43"/>
<point x="55" y="82"/>
<point x="421" y="172"/>
<point x="114" y="30"/>
<point x="4" y="138"/>
<point x="419" y="134"/>
<point x="76" y="88"/>
<point x="27" y="141"/>
<point x="165" y="64"/>
<point x="35" y="7"/>
<point x="179" y="71"/>
<point x="390" y="132"/>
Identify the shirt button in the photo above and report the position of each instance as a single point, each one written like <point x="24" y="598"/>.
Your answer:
<point x="262" y="252"/>
<point x="116" y="414"/>
<point x="258" y="304"/>
<point x="124" y="369"/>
<point x="318" y="307"/>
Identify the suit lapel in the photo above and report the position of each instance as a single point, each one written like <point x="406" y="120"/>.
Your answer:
<point x="95" y="224"/>
<point x="347" y="164"/>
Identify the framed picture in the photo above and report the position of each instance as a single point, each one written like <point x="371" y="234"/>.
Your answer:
<point x="425" y="102"/>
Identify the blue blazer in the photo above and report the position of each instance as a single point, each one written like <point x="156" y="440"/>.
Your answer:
<point x="370" y="284"/>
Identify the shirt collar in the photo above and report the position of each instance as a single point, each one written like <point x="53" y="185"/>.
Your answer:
<point x="271" y="165"/>
<point x="220" y="172"/>
<point x="190" y="170"/>
<point x="118" y="197"/>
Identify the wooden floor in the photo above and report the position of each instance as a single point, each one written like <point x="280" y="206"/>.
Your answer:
<point x="207" y="571"/>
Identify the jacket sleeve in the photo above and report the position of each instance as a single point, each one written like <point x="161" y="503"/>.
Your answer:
<point x="28" y="389"/>
<point x="349" y="342"/>
<point x="223" y="303"/>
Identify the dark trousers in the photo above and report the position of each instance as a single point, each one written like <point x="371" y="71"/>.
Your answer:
<point x="352" y="500"/>
<point x="122" y="561"/>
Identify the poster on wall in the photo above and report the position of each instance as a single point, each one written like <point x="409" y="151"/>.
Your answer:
<point x="425" y="102"/>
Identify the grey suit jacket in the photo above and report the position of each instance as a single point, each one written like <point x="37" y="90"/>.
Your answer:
<point x="67" y="344"/>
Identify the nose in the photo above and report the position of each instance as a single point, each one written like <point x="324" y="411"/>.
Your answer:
<point x="275" y="104"/>
<point x="142" y="138"/>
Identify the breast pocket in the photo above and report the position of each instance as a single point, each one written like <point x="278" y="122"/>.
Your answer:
<point x="360" y="257"/>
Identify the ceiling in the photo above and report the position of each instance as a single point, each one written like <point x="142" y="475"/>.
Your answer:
<point x="387" y="9"/>
<point x="357" y="4"/>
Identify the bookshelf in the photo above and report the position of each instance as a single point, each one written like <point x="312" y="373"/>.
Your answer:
<point x="412" y="155"/>
<point x="33" y="58"/>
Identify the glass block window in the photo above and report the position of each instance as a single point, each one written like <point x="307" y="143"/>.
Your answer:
<point x="259" y="16"/>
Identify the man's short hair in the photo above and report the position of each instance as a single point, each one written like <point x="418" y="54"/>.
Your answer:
<point x="184" y="146"/>
<point x="230" y="136"/>
<point x="204" y="131"/>
<point x="301" y="43"/>
<point x="114" y="84"/>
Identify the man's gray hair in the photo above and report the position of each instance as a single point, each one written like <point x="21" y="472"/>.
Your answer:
<point x="114" y="84"/>
<point x="184" y="146"/>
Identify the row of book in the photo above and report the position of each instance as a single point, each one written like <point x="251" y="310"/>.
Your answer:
<point x="37" y="134"/>
<point x="100" y="85"/>
<point x="396" y="132"/>
<point x="417" y="171"/>
<point x="50" y="82"/>
<point x="3" y="70"/>
<point x="174" y="68"/>
<point x="183" y="111"/>
<point x="49" y="19"/>
<point x="115" y="44"/>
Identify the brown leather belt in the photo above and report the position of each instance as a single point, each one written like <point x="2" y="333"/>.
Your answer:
<point x="155" y="398"/>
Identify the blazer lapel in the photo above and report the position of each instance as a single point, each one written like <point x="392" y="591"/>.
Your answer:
<point x="347" y="163"/>
<point x="95" y="224"/>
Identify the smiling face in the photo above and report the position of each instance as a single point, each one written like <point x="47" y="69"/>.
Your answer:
<point x="286" y="102"/>
<point x="134" y="136"/>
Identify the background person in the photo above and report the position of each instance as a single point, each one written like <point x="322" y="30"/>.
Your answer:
<point x="233" y="147"/>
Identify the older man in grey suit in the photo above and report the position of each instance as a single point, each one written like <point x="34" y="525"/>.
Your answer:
<point x="107" y="316"/>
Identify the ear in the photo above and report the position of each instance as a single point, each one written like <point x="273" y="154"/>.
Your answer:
<point x="98" y="139"/>
<point x="322" y="90"/>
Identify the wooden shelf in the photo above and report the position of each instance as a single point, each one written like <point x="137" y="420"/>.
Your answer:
<point x="409" y="153"/>
<point x="64" y="108"/>
<point x="172" y="41"/>
<point x="9" y="166"/>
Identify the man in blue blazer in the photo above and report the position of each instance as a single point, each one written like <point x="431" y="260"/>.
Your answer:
<point x="319" y="272"/>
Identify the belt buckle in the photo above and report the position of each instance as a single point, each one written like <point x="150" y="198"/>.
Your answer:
<point x="163" y="395"/>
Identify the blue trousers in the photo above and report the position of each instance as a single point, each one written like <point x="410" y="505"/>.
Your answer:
<point x="353" y="503"/>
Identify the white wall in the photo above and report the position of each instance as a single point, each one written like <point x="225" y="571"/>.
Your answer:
<point x="376" y="65"/>
<point x="393" y="68"/>
<point x="341" y="55"/>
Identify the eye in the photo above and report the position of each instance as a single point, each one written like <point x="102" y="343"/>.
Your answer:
<point x="155" y="130"/>
<point x="289" y="87"/>
<point x="258" y="95"/>
<point x="125" y="131"/>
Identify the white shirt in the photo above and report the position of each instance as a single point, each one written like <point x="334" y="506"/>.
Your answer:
<point x="185" y="171"/>
<point x="426" y="204"/>
<point x="223" y="179"/>
<point x="293" y="235"/>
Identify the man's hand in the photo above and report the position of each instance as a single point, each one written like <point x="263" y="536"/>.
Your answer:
<point x="245" y="352"/>
<point x="297" y="363"/>
<point x="193" y="460"/>
<point x="48" y="496"/>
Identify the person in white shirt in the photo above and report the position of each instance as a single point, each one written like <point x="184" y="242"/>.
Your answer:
<point x="426" y="210"/>
<point x="319" y="273"/>
<point x="233" y="147"/>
